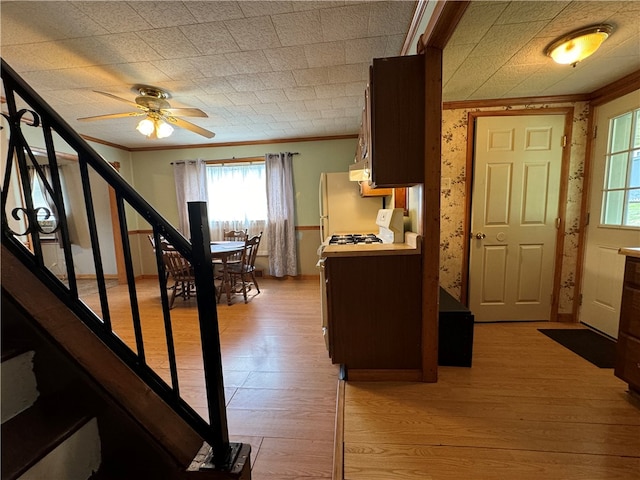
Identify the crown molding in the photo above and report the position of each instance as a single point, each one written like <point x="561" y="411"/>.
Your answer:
<point x="616" y="89"/>
<point x="509" y="102"/>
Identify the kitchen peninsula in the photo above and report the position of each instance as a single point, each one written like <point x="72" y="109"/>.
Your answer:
<point x="374" y="309"/>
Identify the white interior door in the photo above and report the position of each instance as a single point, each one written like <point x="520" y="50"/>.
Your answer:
<point x="514" y="211"/>
<point x="603" y="266"/>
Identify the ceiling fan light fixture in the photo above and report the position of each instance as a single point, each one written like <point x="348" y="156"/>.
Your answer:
<point x="146" y="127"/>
<point x="163" y="129"/>
<point x="158" y="118"/>
<point x="578" y="45"/>
<point x="154" y="128"/>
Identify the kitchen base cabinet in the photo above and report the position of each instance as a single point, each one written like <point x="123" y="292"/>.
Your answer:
<point x="628" y="347"/>
<point x="374" y="313"/>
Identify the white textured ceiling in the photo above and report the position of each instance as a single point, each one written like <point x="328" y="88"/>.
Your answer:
<point x="266" y="70"/>
<point x="497" y="50"/>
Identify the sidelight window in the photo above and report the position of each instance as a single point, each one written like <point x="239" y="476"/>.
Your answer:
<point x="621" y="192"/>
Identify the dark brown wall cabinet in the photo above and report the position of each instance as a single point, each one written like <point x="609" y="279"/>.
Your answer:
<point x="397" y="109"/>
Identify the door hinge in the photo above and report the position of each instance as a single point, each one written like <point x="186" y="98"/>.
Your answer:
<point x="580" y="299"/>
<point x="595" y="131"/>
<point x="558" y="223"/>
<point x="564" y="141"/>
<point x="587" y="218"/>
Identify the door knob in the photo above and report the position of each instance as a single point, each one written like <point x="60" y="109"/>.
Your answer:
<point x="480" y="236"/>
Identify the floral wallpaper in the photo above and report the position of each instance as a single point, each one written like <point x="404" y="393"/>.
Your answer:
<point x="452" y="227"/>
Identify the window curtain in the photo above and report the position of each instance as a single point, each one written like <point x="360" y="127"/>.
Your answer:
<point x="42" y="187"/>
<point x="191" y="186"/>
<point x="74" y="236"/>
<point x="280" y="214"/>
<point x="237" y="200"/>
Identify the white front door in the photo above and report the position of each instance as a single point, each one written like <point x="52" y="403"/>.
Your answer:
<point x="603" y="266"/>
<point x="514" y="212"/>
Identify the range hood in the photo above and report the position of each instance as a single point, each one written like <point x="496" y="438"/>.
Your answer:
<point x="360" y="171"/>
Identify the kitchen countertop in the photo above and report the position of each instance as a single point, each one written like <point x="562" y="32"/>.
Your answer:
<point x="630" y="251"/>
<point x="412" y="246"/>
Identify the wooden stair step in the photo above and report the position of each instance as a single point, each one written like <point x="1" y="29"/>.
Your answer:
<point x="11" y="352"/>
<point x="34" y="433"/>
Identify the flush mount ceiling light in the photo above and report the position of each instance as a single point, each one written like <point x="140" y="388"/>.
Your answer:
<point x="578" y="45"/>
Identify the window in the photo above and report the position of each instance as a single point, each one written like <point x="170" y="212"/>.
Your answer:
<point x="621" y="191"/>
<point x="46" y="211"/>
<point x="237" y="197"/>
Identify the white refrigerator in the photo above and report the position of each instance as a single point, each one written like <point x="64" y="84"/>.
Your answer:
<point x="342" y="209"/>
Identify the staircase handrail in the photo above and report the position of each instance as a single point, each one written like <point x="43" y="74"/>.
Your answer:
<point x="215" y="432"/>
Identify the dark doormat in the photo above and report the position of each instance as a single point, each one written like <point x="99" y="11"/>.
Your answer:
<point x="596" y="348"/>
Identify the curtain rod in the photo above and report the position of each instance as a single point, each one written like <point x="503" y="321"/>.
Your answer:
<point x="180" y="162"/>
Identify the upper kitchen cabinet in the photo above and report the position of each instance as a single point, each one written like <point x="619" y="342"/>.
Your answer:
<point x="367" y="191"/>
<point x="396" y="121"/>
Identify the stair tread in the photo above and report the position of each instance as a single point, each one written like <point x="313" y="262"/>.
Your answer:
<point x="13" y="351"/>
<point x="31" y="435"/>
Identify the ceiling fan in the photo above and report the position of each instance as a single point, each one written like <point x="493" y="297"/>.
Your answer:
<point x="152" y="103"/>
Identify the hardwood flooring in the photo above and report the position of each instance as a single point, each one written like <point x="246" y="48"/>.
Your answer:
<point x="527" y="409"/>
<point x="280" y="386"/>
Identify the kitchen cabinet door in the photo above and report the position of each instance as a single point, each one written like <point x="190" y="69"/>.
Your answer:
<point x="397" y="123"/>
<point x="374" y="306"/>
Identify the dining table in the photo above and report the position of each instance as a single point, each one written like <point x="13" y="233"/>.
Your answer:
<point x="221" y="250"/>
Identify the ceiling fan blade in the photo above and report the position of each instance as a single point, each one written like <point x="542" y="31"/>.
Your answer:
<point x="190" y="126"/>
<point x="111" y="115"/>
<point x="185" y="112"/>
<point x="120" y="99"/>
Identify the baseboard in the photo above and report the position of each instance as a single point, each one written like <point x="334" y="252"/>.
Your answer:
<point x="338" y="442"/>
<point x="566" y="318"/>
<point x="91" y="276"/>
<point x="384" y="375"/>
<point x="296" y="277"/>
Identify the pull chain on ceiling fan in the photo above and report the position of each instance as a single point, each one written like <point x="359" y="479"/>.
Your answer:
<point x="159" y="116"/>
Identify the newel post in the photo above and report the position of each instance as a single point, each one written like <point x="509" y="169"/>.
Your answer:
<point x="209" y="333"/>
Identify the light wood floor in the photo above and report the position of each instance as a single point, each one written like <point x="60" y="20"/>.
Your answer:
<point x="280" y="386"/>
<point x="527" y="409"/>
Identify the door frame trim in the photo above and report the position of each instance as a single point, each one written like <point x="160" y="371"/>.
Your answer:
<point x="562" y="199"/>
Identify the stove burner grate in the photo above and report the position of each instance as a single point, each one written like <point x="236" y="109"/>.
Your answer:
<point x="354" y="239"/>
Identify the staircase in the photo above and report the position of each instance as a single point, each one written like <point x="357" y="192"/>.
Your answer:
<point x="41" y="432"/>
<point x="79" y="397"/>
<point x="49" y="429"/>
<point x="66" y="383"/>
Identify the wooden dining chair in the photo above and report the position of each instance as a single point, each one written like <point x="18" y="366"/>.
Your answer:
<point x="229" y="236"/>
<point x="235" y="236"/>
<point x="242" y="274"/>
<point x="180" y="272"/>
<point x="163" y="241"/>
